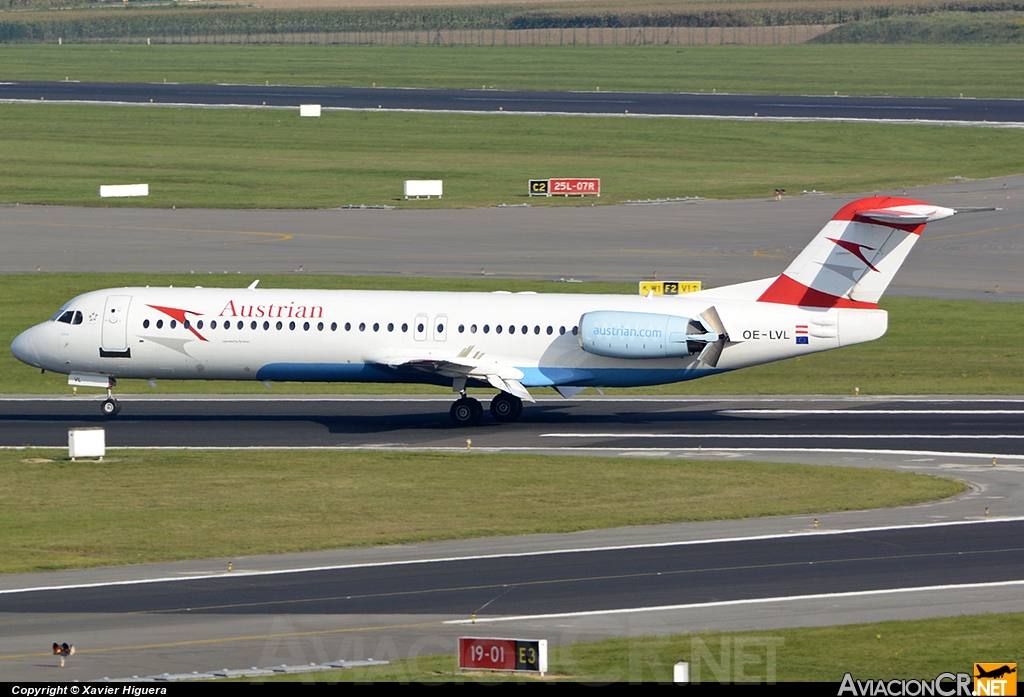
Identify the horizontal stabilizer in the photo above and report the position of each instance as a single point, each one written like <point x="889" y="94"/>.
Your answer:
<point x="906" y="215"/>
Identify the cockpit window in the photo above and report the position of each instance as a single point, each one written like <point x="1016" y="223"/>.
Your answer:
<point x="67" y="316"/>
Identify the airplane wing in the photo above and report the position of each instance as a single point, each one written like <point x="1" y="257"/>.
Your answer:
<point x="502" y="377"/>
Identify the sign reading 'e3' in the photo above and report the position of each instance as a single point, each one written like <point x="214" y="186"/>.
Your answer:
<point x="503" y="654"/>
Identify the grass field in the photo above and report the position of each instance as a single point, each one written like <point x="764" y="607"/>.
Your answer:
<point x="918" y="649"/>
<point x="920" y="354"/>
<point x="57" y="154"/>
<point x="147" y="506"/>
<point x="946" y="71"/>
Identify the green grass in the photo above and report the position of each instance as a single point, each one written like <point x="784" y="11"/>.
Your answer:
<point x="148" y="506"/>
<point x="948" y="71"/>
<point x="916" y="649"/>
<point x="922" y="353"/>
<point x="56" y="154"/>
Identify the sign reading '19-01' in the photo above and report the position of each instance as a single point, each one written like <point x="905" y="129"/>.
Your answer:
<point x="503" y="654"/>
<point x="565" y="187"/>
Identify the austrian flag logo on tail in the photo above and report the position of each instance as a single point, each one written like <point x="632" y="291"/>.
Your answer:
<point x="801" y="334"/>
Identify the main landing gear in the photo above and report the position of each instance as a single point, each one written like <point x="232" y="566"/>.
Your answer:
<point x="467" y="411"/>
<point x="110" y="406"/>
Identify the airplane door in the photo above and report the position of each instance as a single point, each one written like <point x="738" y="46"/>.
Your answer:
<point x="114" y="336"/>
<point x="440" y="327"/>
<point x="419" y="328"/>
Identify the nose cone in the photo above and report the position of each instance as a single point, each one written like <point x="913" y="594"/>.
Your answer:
<point x="24" y="347"/>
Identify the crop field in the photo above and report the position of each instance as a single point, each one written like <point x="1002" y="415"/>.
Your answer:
<point x="916" y="356"/>
<point x="917" y="70"/>
<point x="199" y="505"/>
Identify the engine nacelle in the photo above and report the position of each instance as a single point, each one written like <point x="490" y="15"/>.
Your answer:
<point x="617" y="334"/>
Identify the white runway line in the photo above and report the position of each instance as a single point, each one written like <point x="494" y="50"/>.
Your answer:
<point x="792" y="436"/>
<point x="734" y="603"/>
<point x="472" y="112"/>
<point x="508" y="555"/>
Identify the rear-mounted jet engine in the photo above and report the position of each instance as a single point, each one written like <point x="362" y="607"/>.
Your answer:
<point x="638" y="335"/>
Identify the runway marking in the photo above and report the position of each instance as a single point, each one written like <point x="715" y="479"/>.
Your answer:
<point x="280" y="236"/>
<point x="854" y="411"/>
<point x="616" y="451"/>
<point x="735" y="603"/>
<point x="252" y="637"/>
<point x="572" y="579"/>
<point x="478" y="112"/>
<point x="506" y="555"/>
<point x="790" y="436"/>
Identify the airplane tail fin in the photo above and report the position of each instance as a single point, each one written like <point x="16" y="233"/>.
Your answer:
<point x="856" y="255"/>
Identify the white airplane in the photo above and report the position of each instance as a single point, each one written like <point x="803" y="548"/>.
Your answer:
<point x="825" y="299"/>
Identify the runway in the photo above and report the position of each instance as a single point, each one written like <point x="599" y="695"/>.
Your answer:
<point x="800" y="107"/>
<point x="957" y="556"/>
<point x="974" y="256"/>
<point x="983" y="427"/>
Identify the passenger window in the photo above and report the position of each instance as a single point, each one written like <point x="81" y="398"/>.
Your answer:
<point x="405" y="327"/>
<point x="186" y="324"/>
<point x="199" y="324"/>
<point x="348" y="326"/>
<point x="376" y="326"/>
<point x="291" y="325"/>
<point x="525" y="329"/>
<point x="334" y="326"/>
<point x="391" y="326"/>
<point x="487" y="329"/>
<point x="241" y="324"/>
<point x="549" y="330"/>
<point x="362" y="326"/>
<point x="266" y="326"/>
<point x="472" y="329"/>
<point x="305" y="326"/>
<point x="145" y="324"/>
<point x="253" y="325"/>
<point x="174" y="323"/>
<point x="498" y="329"/>
<point x="575" y="331"/>
<point x="279" y="325"/>
<point x="159" y="324"/>
<point x="511" y="329"/>
<point x="462" y="329"/>
<point x="319" y="326"/>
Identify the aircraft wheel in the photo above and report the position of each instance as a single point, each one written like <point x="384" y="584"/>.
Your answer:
<point x="110" y="407"/>
<point x="466" y="412"/>
<point x="506" y="407"/>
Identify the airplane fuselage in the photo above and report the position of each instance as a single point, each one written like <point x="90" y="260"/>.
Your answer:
<point x="351" y="336"/>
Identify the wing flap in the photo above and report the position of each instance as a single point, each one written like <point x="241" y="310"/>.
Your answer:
<point x="503" y="377"/>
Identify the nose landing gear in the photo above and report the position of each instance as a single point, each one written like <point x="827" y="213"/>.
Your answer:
<point x="110" y="406"/>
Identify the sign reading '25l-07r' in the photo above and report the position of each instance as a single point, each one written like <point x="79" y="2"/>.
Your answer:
<point x="565" y="187"/>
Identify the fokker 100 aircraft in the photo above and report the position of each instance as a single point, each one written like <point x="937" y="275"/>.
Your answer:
<point x="825" y="299"/>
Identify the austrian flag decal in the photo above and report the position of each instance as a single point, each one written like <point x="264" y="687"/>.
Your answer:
<point x="801" y="334"/>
